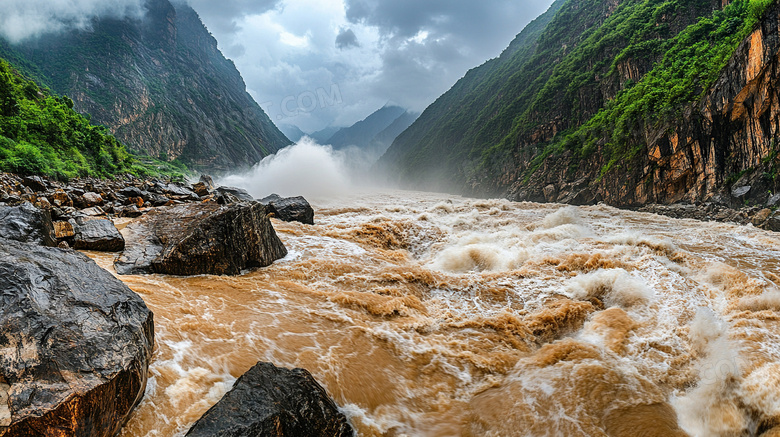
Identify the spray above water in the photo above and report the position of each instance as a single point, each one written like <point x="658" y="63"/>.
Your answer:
<point x="303" y="169"/>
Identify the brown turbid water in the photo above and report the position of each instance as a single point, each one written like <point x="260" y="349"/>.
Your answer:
<point x="433" y="315"/>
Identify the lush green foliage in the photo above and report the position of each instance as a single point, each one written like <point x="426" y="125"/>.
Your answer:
<point x="568" y="76"/>
<point x="689" y="66"/>
<point x="41" y="134"/>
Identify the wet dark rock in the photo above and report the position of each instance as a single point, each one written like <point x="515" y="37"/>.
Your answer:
<point x="158" y="199"/>
<point x="76" y="344"/>
<point x="96" y="234"/>
<point x="272" y="401"/>
<point x="174" y="190"/>
<point x="240" y="193"/>
<point x="131" y="192"/>
<point x="293" y="209"/>
<point x="268" y="199"/>
<point x="225" y="198"/>
<point x="773" y="222"/>
<point x="201" y="189"/>
<point x="28" y="224"/>
<point x="201" y="238"/>
<point x="35" y="183"/>
<point x="131" y="211"/>
<point x="206" y="179"/>
<point x="13" y="199"/>
<point x="92" y="199"/>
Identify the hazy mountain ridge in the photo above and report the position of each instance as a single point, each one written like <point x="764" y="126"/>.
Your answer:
<point x="161" y="85"/>
<point x="363" y="132"/>
<point x="623" y="101"/>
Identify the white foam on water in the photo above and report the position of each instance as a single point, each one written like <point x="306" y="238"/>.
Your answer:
<point x="480" y="274"/>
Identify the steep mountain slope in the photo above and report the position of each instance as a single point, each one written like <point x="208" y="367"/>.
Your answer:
<point x="382" y="141"/>
<point x="292" y="132"/>
<point x="160" y="84"/>
<point x="602" y="102"/>
<point x="361" y="133"/>
<point x="323" y="135"/>
<point x="41" y="134"/>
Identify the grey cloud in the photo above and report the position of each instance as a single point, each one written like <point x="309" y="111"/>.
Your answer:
<point x="222" y="15"/>
<point x="384" y="61"/>
<point x="480" y="22"/>
<point x="459" y="34"/>
<point x="346" y="39"/>
<point x="23" y="19"/>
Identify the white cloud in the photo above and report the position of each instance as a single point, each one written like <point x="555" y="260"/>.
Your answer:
<point x="24" y="19"/>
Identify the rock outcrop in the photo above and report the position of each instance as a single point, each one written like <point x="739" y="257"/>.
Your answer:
<point x="202" y="238"/>
<point x="75" y="342"/>
<point x="564" y="116"/>
<point x="722" y="149"/>
<point x="292" y="209"/>
<point x="239" y="193"/>
<point x="274" y="402"/>
<point x="96" y="234"/>
<point x="27" y="223"/>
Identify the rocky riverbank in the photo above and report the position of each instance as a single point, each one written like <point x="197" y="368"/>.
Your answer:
<point x="78" y="343"/>
<point x="758" y="216"/>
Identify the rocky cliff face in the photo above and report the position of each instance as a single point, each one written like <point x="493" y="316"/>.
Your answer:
<point x="160" y="84"/>
<point x="623" y="102"/>
<point x="722" y="147"/>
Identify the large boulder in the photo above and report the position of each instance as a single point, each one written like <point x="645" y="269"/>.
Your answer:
<point x="28" y="224"/>
<point x="175" y="191"/>
<point x="293" y="209"/>
<point x="92" y="199"/>
<point x="96" y="234"/>
<point x="208" y="181"/>
<point x="240" y="193"/>
<point x="200" y="238"/>
<point x="76" y="344"/>
<point x="273" y="402"/>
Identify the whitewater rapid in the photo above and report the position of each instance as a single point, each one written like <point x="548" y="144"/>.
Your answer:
<point x="434" y="315"/>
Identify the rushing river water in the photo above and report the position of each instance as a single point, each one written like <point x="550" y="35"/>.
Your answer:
<point x="433" y="315"/>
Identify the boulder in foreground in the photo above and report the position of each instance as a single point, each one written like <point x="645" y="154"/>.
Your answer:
<point x="200" y="238"/>
<point x="76" y="344"/>
<point x="27" y="224"/>
<point x="274" y="402"/>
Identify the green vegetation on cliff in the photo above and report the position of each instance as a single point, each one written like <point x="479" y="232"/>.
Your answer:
<point x="41" y="134"/>
<point x="690" y="65"/>
<point x="588" y="79"/>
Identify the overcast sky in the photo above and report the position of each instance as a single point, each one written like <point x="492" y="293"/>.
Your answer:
<point x="312" y="63"/>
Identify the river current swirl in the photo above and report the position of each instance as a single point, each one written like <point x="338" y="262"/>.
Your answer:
<point x="434" y="315"/>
